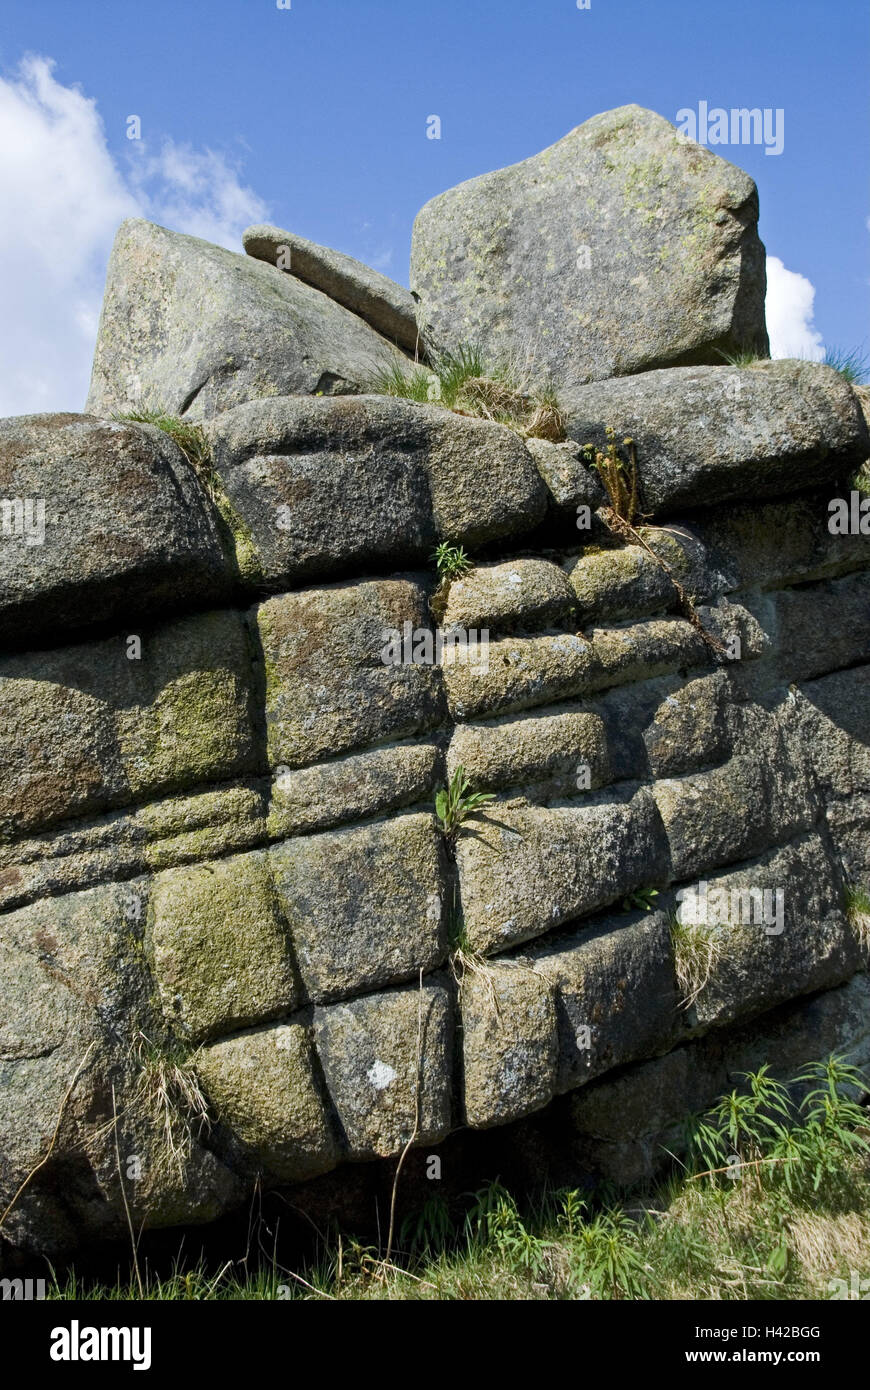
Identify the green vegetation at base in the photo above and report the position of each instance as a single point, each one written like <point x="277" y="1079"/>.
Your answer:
<point x="853" y="364"/>
<point x="189" y="437"/>
<point x="466" y="381"/>
<point x="773" y="1202"/>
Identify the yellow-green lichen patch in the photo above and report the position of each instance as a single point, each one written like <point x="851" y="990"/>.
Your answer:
<point x="219" y="946"/>
<point x="263" y="1089"/>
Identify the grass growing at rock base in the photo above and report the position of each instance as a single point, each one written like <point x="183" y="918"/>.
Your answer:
<point x="852" y="364"/>
<point x="189" y="437"/>
<point x="785" y="1214"/>
<point x="858" y="914"/>
<point x="697" y="946"/>
<point x="467" y="382"/>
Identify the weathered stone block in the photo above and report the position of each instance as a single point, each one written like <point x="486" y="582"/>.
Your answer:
<point x="542" y="251"/>
<point x="387" y="1062"/>
<point x="767" y="951"/>
<point x="194" y="329"/>
<point x="822" y="627"/>
<point x="563" y="751"/>
<point x="509" y="1043"/>
<point x="616" y="994"/>
<point x="736" y="810"/>
<point x="388" y="307"/>
<point x="707" y="435"/>
<point x="524" y="870"/>
<point x="331" y="486"/>
<point x="833" y="714"/>
<point x="522" y="672"/>
<point x="264" y="1090"/>
<point x="86" y="728"/>
<point x="523" y="593"/>
<point x="688" y="727"/>
<point x="619" y="583"/>
<point x="125" y="527"/>
<point x="326" y="486"/>
<point x="328" y="689"/>
<point x="769" y="545"/>
<point x="351" y="788"/>
<point x="570" y="481"/>
<point x="219" y="947"/>
<point x="364" y="904"/>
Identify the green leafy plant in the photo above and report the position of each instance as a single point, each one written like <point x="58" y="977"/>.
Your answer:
<point x="745" y="1123"/>
<point x="451" y="561"/>
<point x="455" y="804"/>
<point x="494" y="1220"/>
<point x="643" y="899"/>
<point x="832" y="1127"/>
<point x="608" y="1262"/>
<point x="780" y="1142"/>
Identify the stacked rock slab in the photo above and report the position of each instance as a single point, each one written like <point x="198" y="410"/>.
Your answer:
<point x="226" y="716"/>
<point x="621" y="248"/>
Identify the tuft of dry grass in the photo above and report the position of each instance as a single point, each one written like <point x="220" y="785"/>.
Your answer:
<point x="169" y="1089"/>
<point x="697" y="948"/>
<point x="858" y="915"/>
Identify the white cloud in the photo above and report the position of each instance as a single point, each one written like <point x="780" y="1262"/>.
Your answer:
<point x="63" y="197"/>
<point x="194" y="191"/>
<point x="789" y="309"/>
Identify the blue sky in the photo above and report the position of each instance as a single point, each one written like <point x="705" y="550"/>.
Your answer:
<point x="315" y="118"/>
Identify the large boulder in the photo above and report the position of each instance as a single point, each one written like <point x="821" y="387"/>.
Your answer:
<point x="194" y="329"/>
<point x="326" y="487"/>
<point x="620" y="248"/>
<point x="388" y="307"/>
<point x="102" y="521"/>
<point x="708" y="435"/>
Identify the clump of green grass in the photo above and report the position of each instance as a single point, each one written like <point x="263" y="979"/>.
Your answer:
<point x="410" y="383"/>
<point x="858" y="914"/>
<point x="852" y="364"/>
<point x="743" y="357"/>
<point x="189" y="437"/>
<point x="697" y="947"/>
<point x="467" y="382"/>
